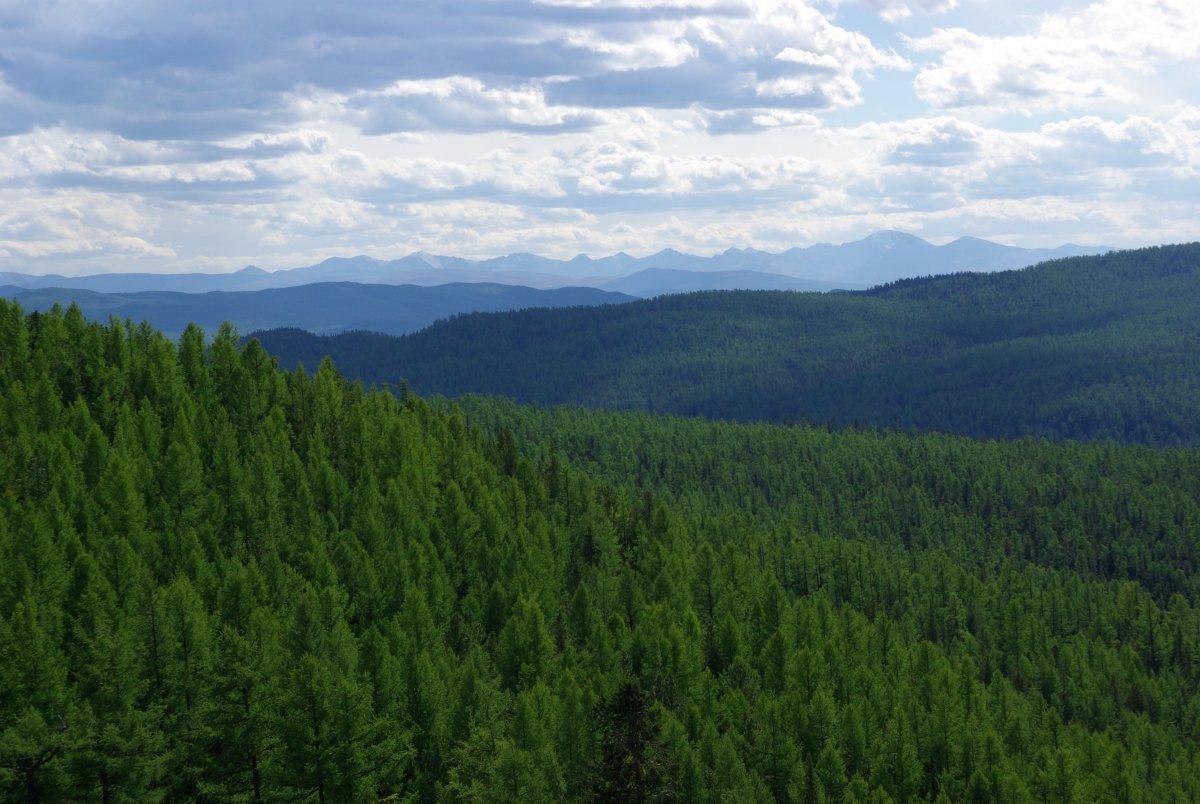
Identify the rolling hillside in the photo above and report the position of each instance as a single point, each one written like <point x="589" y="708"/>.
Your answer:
<point x="220" y="581"/>
<point x="1086" y="347"/>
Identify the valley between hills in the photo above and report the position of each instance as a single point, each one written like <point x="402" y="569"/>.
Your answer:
<point x="936" y="540"/>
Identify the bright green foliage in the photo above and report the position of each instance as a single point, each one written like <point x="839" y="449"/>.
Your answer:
<point x="220" y="581"/>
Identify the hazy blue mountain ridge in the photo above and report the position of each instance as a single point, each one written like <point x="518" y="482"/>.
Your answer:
<point x="324" y="307"/>
<point x="882" y="257"/>
<point x="659" y="281"/>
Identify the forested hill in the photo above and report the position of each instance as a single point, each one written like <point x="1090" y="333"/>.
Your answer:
<point x="1086" y="348"/>
<point x="220" y="581"/>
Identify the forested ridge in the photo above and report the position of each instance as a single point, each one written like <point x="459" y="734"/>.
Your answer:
<point x="224" y="581"/>
<point x="1086" y="348"/>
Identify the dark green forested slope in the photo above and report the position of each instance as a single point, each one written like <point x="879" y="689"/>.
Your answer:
<point x="1098" y="511"/>
<point x="220" y="581"/>
<point x="1085" y="348"/>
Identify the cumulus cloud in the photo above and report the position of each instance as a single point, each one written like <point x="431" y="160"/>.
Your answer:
<point x="937" y="142"/>
<point x="751" y="121"/>
<point x="183" y="70"/>
<point x="616" y="170"/>
<point x="177" y="134"/>
<point x="65" y="158"/>
<point x="1071" y="60"/>
<point x="952" y="168"/>
<point x="180" y="70"/>
<point x="896" y="10"/>
<point x="1090" y="157"/>
<point x="922" y="175"/>
<point x="461" y="104"/>
<point x="781" y="55"/>
<point x="63" y="227"/>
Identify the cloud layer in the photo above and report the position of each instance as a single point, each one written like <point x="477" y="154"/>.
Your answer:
<point x="183" y="136"/>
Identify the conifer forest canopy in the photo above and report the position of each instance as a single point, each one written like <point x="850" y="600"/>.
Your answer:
<point x="220" y="580"/>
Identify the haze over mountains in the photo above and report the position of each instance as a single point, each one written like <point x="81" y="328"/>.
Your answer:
<point x="322" y="307"/>
<point x="882" y="257"/>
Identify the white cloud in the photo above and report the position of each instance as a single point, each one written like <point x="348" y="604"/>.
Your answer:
<point x="749" y="121"/>
<point x="937" y="142"/>
<point x="824" y="61"/>
<point x="656" y="46"/>
<point x="460" y="103"/>
<point x="616" y="170"/>
<point x="212" y="135"/>
<point x="64" y="226"/>
<point x="1071" y="61"/>
<point x="759" y="53"/>
<point x="896" y="10"/>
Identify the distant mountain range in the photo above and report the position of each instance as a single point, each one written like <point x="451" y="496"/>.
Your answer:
<point x="882" y="257"/>
<point x="661" y="281"/>
<point x="324" y="307"/>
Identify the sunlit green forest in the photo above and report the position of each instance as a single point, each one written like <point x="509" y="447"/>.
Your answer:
<point x="220" y="580"/>
<point x="1087" y="348"/>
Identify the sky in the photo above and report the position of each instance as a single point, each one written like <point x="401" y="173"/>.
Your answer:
<point x="159" y="135"/>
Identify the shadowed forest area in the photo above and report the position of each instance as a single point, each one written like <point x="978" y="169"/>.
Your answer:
<point x="1086" y="348"/>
